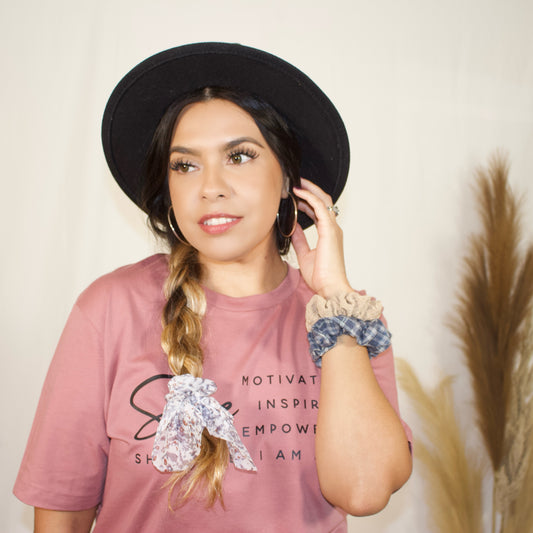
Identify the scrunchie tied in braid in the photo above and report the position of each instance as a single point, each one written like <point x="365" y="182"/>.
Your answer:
<point x="180" y="339"/>
<point x="189" y="409"/>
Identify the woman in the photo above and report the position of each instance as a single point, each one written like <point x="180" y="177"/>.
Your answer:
<point x="206" y="138"/>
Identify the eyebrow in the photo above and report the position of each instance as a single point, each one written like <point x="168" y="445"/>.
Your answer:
<point x="228" y="146"/>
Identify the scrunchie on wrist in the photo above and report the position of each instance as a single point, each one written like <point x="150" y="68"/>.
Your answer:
<point x="350" y="314"/>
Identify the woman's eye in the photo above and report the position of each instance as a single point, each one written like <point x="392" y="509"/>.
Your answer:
<point x="238" y="158"/>
<point x="181" y="166"/>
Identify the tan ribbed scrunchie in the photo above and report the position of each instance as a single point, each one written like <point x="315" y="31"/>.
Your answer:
<point x="351" y="304"/>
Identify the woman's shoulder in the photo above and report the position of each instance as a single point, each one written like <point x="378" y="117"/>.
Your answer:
<point x="141" y="281"/>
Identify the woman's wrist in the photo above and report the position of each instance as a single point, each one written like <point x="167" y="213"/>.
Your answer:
<point x="342" y="303"/>
<point x="350" y="313"/>
<point x="331" y="291"/>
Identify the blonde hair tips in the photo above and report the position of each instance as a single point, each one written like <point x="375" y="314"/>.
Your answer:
<point x="181" y="341"/>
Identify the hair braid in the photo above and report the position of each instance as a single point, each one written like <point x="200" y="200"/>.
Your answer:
<point x="182" y="315"/>
<point x="182" y="332"/>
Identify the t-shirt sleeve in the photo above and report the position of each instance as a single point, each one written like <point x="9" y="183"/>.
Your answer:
<point x="64" y="464"/>
<point x="383" y="366"/>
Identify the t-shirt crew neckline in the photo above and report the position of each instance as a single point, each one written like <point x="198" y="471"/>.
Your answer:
<point x="257" y="301"/>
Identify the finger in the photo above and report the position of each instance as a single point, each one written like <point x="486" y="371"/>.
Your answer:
<point x="326" y="198"/>
<point x="299" y="241"/>
<point x="317" y="191"/>
<point x="318" y="205"/>
<point x="304" y="207"/>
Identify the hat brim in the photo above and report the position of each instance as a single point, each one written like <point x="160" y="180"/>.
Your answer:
<point x="145" y="93"/>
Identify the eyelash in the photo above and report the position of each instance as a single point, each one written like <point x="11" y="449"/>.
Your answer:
<point x="177" y="165"/>
<point x="248" y="152"/>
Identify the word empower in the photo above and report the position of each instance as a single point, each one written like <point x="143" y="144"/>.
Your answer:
<point x="248" y="431"/>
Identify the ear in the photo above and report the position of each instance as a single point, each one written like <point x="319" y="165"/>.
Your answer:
<point x="286" y="187"/>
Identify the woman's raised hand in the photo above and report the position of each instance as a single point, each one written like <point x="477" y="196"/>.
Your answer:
<point x="322" y="268"/>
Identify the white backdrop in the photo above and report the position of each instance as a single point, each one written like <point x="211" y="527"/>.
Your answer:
<point x="428" y="90"/>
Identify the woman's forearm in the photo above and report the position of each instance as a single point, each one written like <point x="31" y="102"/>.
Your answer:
<point x="362" y="451"/>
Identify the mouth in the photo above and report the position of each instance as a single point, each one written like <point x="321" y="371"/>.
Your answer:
<point x="218" y="223"/>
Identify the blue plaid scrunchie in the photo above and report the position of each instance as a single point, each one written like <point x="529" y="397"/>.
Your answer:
<point x="369" y="333"/>
<point x="354" y="314"/>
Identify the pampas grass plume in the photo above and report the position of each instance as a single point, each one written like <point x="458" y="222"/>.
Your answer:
<point x="495" y="298"/>
<point x="453" y="475"/>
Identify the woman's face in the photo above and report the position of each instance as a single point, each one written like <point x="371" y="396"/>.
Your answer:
<point x="225" y="182"/>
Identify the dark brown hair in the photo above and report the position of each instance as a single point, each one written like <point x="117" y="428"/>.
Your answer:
<point x="185" y="305"/>
<point x="155" y="196"/>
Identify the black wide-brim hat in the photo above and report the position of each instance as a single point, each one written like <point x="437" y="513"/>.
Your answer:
<point x="141" y="98"/>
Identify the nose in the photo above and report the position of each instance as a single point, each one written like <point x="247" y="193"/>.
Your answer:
<point x="214" y="183"/>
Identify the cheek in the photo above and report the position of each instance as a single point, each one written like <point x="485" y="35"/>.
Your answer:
<point x="181" y="202"/>
<point x="175" y="198"/>
<point x="268" y="199"/>
<point x="273" y="186"/>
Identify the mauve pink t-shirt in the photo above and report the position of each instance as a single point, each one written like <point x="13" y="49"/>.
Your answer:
<point x="92" y="436"/>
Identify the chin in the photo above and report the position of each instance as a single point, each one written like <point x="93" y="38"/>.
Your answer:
<point x="234" y="250"/>
<point x="223" y="255"/>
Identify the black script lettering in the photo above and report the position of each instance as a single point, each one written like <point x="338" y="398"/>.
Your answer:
<point x="228" y="406"/>
<point x="149" y="428"/>
<point x="153" y="418"/>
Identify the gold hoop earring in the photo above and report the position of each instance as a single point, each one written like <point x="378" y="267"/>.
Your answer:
<point x="173" y="229"/>
<point x="289" y="235"/>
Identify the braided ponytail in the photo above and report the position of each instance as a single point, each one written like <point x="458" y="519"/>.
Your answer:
<point x="185" y="306"/>
<point x="182" y="333"/>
